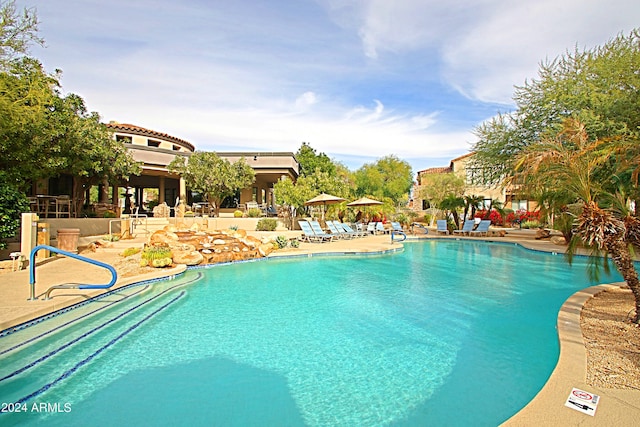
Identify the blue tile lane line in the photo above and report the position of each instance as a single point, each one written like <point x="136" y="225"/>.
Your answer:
<point x="88" y="333"/>
<point x="72" y="321"/>
<point x="97" y="352"/>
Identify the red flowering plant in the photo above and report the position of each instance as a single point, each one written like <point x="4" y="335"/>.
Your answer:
<point x="520" y="216"/>
<point x="494" y="216"/>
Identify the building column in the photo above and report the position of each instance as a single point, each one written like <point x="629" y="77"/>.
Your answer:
<point x="183" y="190"/>
<point x="161" y="187"/>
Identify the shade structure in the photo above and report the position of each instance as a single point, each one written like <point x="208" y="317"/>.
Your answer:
<point x="364" y="201"/>
<point x="323" y="200"/>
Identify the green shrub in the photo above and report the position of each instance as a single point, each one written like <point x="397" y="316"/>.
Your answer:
<point x="13" y="203"/>
<point x="233" y="227"/>
<point x="111" y="237"/>
<point x="282" y="242"/>
<point x="109" y="214"/>
<point x="237" y="214"/>
<point x="130" y="251"/>
<point x="531" y="224"/>
<point x="156" y="256"/>
<point x="267" y="224"/>
<point x="254" y="213"/>
<point x="295" y="243"/>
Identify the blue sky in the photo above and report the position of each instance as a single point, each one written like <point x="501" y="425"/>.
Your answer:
<point x="356" y="79"/>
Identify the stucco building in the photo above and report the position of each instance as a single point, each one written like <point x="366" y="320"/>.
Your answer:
<point x="155" y="150"/>
<point x="462" y="166"/>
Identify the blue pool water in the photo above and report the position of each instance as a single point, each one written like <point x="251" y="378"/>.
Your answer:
<point x="444" y="333"/>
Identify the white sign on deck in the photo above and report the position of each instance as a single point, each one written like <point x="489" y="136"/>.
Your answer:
<point x="583" y="401"/>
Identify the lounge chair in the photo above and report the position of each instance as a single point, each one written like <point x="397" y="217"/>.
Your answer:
<point x="483" y="228"/>
<point x="344" y="232"/>
<point x="466" y="227"/>
<point x="442" y="226"/>
<point x="396" y="226"/>
<point x="309" y="235"/>
<point x="319" y="232"/>
<point x="371" y="228"/>
<point x="380" y="228"/>
<point x="359" y="232"/>
<point x="335" y="231"/>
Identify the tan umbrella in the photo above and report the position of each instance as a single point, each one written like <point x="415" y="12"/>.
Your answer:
<point x="324" y="200"/>
<point x="364" y="201"/>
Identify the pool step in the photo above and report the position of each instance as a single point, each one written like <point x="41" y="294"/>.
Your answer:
<point x="34" y="360"/>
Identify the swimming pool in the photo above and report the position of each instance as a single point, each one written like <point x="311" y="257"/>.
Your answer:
<point x="445" y="332"/>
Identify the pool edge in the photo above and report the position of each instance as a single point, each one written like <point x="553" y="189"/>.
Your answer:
<point x="616" y="406"/>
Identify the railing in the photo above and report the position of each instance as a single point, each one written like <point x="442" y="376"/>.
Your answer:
<point x="398" y="233"/>
<point x="32" y="272"/>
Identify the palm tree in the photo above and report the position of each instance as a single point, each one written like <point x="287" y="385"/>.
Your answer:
<point x="472" y="203"/>
<point x="569" y="162"/>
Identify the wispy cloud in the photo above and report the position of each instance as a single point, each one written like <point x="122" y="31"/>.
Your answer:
<point x="356" y="79"/>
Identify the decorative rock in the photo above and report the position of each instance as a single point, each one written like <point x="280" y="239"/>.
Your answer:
<point x="188" y="258"/>
<point x="265" y="249"/>
<point x="542" y="234"/>
<point x="558" y="240"/>
<point x="219" y="242"/>
<point x="162" y="236"/>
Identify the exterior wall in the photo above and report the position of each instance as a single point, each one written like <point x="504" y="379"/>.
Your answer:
<point x="461" y="167"/>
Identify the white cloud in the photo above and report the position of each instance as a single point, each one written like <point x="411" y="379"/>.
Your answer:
<point x="486" y="46"/>
<point x="357" y="79"/>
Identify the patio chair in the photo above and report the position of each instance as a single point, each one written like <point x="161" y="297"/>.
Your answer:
<point x="338" y="234"/>
<point x="63" y="206"/>
<point x="307" y="233"/>
<point x="396" y="226"/>
<point x="319" y="232"/>
<point x="442" y="226"/>
<point x="466" y="227"/>
<point x="346" y="234"/>
<point x="380" y="228"/>
<point x="359" y="232"/>
<point x="371" y="228"/>
<point x="483" y="228"/>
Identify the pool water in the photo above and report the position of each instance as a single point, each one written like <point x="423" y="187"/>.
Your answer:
<point x="443" y="333"/>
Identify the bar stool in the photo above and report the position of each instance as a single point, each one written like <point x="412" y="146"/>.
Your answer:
<point x="63" y="206"/>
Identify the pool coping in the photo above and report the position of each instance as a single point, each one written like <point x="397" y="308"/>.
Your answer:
<point x="615" y="407"/>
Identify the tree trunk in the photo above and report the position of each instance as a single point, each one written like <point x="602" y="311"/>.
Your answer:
<point x="622" y="259"/>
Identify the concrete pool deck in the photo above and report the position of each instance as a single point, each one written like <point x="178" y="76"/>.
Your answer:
<point x="616" y="407"/>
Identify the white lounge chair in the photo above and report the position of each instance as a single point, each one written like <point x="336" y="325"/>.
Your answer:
<point x="466" y="227"/>
<point x="442" y="226"/>
<point x="319" y="232"/>
<point x="310" y="236"/>
<point x="483" y="228"/>
<point x="356" y="233"/>
<point x="380" y="228"/>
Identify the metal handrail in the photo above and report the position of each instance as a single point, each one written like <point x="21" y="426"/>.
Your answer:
<point x="32" y="272"/>
<point x="398" y="233"/>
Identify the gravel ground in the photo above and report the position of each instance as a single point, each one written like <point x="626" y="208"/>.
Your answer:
<point x="612" y="341"/>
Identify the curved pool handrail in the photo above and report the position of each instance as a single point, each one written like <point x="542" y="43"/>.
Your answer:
<point x="398" y="233"/>
<point x="32" y="271"/>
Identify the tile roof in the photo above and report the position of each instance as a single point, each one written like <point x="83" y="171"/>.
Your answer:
<point x="444" y="169"/>
<point x="137" y="130"/>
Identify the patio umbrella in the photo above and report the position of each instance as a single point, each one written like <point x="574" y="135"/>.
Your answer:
<point x="364" y="201"/>
<point x="323" y="200"/>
